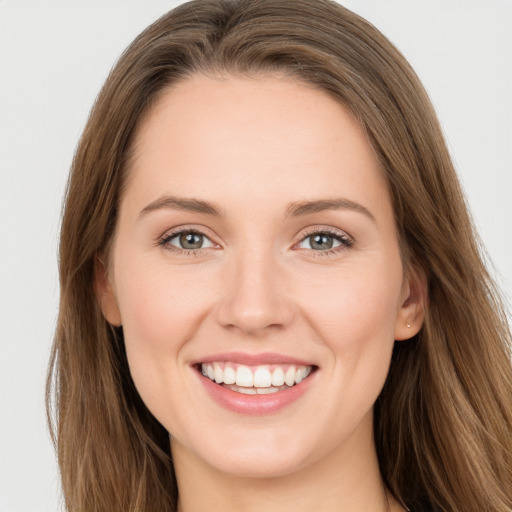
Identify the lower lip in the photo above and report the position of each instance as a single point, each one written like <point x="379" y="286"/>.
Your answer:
<point x="255" y="405"/>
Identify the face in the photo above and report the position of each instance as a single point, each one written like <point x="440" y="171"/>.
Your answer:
<point x="256" y="244"/>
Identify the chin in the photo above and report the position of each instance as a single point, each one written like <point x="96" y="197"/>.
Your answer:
<point x="256" y="456"/>
<point x="258" y="466"/>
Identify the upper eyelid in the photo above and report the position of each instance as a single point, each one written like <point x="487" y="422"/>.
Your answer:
<point x="164" y="241"/>
<point x="172" y="232"/>
<point x="346" y="240"/>
<point x="305" y="232"/>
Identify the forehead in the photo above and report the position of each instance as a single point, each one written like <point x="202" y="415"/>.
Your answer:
<point x="234" y="136"/>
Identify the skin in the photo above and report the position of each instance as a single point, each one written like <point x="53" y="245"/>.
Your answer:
<point x="254" y="146"/>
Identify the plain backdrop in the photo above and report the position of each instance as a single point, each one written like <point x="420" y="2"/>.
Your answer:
<point x="54" y="56"/>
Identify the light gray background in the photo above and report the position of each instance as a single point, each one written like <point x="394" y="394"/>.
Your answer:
<point x="54" y="57"/>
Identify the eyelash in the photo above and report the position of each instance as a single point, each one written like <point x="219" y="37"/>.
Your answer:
<point x="167" y="237"/>
<point x="345" y="241"/>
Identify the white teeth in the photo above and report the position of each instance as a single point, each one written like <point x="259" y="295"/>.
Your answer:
<point x="262" y="377"/>
<point x="266" y="391"/>
<point x="251" y="380"/>
<point x="278" y="377"/>
<point x="244" y="376"/>
<point x="229" y="375"/>
<point x="218" y="373"/>
<point x="289" y="376"/>
<point x="247" y="391"/>
<point x="259" y="391"/>
<point x="300" y="375"/>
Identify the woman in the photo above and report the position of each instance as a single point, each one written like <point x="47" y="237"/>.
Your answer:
<point x="271" y="292"/>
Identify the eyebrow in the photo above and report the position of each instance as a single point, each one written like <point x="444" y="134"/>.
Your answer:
<point x="297" y="209"/>
<point x="300" y="209"/>
<point x="182" y="203"/>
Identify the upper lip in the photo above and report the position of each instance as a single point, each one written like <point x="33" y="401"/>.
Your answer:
<point x="252" y="359"/>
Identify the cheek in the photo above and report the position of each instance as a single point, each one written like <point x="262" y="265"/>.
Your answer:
<point x="160" y="311"/>
<point x="353" y="305"/>
<point x="353" y="314"/>
<point x="158" y="302"/>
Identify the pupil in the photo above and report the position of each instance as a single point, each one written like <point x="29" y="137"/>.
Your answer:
<point x="191" y="240"/>
<point x="321" y="242"/>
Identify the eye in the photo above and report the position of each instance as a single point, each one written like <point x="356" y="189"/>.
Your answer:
<point x="324" y="241"/>
<point x="187" y="241"/>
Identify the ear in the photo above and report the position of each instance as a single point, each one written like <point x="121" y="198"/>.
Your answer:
<point x="412" y="306"/>
<point x="105" y="293"/>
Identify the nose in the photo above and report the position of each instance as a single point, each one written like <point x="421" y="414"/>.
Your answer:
<point x="254" y="298"/>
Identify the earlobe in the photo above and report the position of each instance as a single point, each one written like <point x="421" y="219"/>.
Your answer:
<point x="412" y="308"/>
<point x="105" y="293"/>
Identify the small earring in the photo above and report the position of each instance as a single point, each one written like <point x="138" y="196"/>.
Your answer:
<point x="408" y="325"/>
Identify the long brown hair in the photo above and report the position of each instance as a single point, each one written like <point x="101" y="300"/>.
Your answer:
<point x="443" y="422"/>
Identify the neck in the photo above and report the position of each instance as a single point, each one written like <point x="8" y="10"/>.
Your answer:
<point x="347" y="479"/>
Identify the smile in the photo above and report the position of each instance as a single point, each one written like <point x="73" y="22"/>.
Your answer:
<point x="255" y="384"/>
<point x="252" y="380"/>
